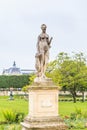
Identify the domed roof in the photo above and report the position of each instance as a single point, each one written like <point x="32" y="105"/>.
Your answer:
<point x="12" y="70"/>
<point x="17" y="71"/>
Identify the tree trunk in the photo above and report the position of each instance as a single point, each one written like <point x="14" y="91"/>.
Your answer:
<point x="74" y="96"/>
<point x="83" y="96"/>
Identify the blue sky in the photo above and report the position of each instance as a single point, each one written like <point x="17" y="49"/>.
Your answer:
<point x="20" y="22"/>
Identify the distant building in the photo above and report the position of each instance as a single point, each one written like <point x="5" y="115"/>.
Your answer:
<point x="16" y="71"/>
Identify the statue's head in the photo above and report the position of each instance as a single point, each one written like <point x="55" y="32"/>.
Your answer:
<point x="43" y="27"/>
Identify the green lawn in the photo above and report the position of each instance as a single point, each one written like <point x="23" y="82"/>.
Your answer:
<point x="65" y="108"/>
<point x="21" y="105"/>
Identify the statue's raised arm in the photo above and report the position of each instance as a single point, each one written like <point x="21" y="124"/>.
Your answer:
<point x="42" y="55"/>
<point x="50" y="40"/>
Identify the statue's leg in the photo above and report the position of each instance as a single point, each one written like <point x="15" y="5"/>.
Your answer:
<point x="46" y="61"/>
<point x="42" y="64"/>
<point x="37" y="66"/>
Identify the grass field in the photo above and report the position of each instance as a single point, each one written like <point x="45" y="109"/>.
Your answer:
<point x="65" y="108"/>
<point x="21" y="105"/>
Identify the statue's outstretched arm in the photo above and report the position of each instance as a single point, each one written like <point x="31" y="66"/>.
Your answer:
<point x="50" y="40"/>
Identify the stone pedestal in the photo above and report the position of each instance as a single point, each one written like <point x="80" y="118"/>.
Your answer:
<point x="43" y="108"/>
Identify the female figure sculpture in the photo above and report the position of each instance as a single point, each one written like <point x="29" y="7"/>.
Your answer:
<point x="42" y="55"/>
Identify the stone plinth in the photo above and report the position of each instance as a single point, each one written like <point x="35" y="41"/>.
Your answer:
<point x="43" y="108"/>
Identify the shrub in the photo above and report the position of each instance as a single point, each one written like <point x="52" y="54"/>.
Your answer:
<point x="12" y="116"/>
<point x="9" y="115"/>
<point x="10" y="127"/>
<point x="85" y="115"/>
<point x="77" y="124"/>
<point x="19" y="117"/>
<point x="76" y="119"/>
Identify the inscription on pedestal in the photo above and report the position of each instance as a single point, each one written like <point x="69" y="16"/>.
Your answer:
<point x="46" y="103"/>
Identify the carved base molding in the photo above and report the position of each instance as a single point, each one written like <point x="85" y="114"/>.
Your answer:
<point x="43" y="123"/>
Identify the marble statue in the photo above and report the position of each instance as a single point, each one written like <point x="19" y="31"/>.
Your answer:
<point x="42" y="55"/>
<point x="43" y="93"/>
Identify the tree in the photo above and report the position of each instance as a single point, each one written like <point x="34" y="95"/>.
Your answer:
<point x="68" y="71"/>
<point x="14" y="81"/>
<point x="31" y="80"/>
<point x="82" y="82"/>
<point x="54" y="67"/>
